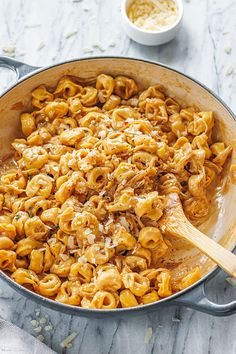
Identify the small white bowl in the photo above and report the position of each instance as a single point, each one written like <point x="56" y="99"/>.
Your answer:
<point x="151" y="37"/>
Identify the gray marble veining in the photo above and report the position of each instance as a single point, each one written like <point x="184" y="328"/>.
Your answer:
<point x="45" y="32"/>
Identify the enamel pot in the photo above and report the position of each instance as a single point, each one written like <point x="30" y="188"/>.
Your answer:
<point x="221" y="224"/>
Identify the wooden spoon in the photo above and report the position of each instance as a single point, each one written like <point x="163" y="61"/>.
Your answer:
<point x="175" y="223"/>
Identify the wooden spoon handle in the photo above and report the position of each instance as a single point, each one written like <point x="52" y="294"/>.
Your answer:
<point x="221" y="256"/>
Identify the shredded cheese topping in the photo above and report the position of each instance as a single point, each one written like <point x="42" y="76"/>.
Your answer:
<point x="153" y="15"/>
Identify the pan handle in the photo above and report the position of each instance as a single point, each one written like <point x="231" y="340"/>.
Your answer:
<point x="21" y="69"/>
<point x="198" y="300"/>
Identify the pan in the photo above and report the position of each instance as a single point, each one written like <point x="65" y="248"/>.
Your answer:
<point x="220" y="226"/>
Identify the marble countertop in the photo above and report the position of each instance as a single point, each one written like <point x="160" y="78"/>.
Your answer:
<point x="45" y="32"/>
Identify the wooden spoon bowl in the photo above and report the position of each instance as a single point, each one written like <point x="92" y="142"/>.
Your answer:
<point x="175" y="223"/>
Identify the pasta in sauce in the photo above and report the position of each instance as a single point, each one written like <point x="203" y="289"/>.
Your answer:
<point x="81" y="203"/>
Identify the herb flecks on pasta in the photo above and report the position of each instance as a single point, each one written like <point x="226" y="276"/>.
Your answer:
<point x="80" y="206"/>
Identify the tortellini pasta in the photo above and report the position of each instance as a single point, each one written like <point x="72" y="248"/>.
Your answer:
<point x="81" y="205"/>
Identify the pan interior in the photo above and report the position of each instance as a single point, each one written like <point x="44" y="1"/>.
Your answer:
<point x="221" y="223"/>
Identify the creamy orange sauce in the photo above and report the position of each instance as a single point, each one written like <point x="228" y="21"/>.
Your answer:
<point x="233" y="173"/>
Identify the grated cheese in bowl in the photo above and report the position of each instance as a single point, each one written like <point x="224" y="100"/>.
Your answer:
<point x="153" y="15"/>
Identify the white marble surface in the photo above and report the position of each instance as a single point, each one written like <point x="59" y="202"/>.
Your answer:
<point x="44" y="32"/>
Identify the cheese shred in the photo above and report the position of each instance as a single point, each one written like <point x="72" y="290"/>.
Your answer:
<point x="67" y="342"/>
